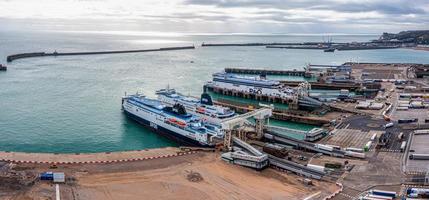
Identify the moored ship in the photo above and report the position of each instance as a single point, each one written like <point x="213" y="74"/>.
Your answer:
<point x="171" y="121"/>
<point x="203" y="107"/>
<point x="255" y="85"/>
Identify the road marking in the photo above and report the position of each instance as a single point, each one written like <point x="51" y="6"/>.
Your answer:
<point x="57" y="192"/>
<point x="313" y="195"/>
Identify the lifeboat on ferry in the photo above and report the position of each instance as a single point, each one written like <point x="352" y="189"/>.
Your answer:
<point x="201" y="110"/>
<point x="180" y="123"/>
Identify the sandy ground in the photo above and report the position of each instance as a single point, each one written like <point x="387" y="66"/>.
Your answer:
<point x="196" y="176"/>
<point x="218" y="181"/>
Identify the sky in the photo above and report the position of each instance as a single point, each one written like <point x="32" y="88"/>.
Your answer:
<point x="217" y="16"/>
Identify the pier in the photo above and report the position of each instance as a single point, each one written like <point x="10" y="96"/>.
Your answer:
<point x="326" y="86"/>
<point x="13" y="57"/>
<point x="267" y="72"/>
<point x="298" y="47"/>
<point x="279" y="114"/>
<point x="269" y="44"/>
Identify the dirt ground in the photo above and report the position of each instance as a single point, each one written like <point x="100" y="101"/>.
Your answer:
<point x="196" y="176"/>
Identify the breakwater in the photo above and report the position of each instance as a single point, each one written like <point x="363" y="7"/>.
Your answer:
<point x="43" y="54"/>
<point x="267" y="72"/>
<point x="297" y="47"/>
<point x="266" y="44"/>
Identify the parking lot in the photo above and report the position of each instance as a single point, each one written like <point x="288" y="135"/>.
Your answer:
<point x="419" y="144"/>
<point x="350" y="138"/>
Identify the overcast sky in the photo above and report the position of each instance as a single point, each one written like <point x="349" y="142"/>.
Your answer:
<point x="251" y="16"/>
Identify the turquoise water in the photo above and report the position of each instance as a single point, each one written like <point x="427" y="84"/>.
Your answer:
<point x="72" y="104"/>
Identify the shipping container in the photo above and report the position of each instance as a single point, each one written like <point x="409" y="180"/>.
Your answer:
<point x="275" y="150"/>
<point x="47" y="176"/>
<point x="400" y="136"/>
<point x="403" y="121"/>
<point x="316" y="167"/>
<point x="416" y="156"/>
<point x="359" y="150"/>
<point x="380" y="197"/>
<point x="334" y="146"/>
<point x="367" y="146"/>
<point x="324" y="147"/>
<point x="355" y="154"/>
<point x="424" y="131"/>
<point x="388" y="125"/>
<point x="384" y="193"/>
<point x="402" y="108"/>
<point x="405" y="105"/>
<point x="418" y="190"/>
<point x="333" y="165"/>
<point x="59" y="177"/>
<point x="403" y="145"/>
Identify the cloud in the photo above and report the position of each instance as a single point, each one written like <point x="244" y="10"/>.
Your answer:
<point x="229" y="15"/>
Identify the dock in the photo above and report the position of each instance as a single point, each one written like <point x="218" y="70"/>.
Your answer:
<point x="295" y="168"/>
<point x="267" y="72"/>
<point x="278" y="114"/>
<point x="13" y="57"/>
<point x="299" y="144"/>
<point x="268" y="44"/>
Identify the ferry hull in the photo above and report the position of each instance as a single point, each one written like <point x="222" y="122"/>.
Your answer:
<point x="165" y="132"/>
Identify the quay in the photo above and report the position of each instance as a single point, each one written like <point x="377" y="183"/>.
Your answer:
<point x="267" y="72"/>
<point x="317" y="47"/>
<point x="324" y="86"/>
<point x="13" y="57"/>
<point x="90" y="158"/>
<point x="279" y="114"/>
<point x="266" y="44"/>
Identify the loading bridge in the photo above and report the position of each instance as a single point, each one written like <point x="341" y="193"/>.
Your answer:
<point x="296" y="168"/>
<point x="302" y="144"/>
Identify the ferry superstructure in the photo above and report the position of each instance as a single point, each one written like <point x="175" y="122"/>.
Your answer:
<point x="171" y="121"/>
<point x="255" y="85"/>
<point x="203" y="107"/>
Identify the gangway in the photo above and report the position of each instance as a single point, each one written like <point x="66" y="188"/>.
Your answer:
<point x="311" y="136"/>
<point x="246" y="155"/>
<point x="302" y="144"/>
<point x="240" y="120"/>
<point x="295" y="167"/>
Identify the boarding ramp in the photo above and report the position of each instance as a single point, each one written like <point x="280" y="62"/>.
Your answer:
<point x="238" y="121"/>
<point x="247" y="155"/>
<point x="279" y="138"/>
<point x="311" y="136"/>
<point x="295" y="167"/>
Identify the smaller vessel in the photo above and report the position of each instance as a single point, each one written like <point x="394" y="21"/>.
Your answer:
<point x="3" y="67"/>
<point x="329" y="50"/>
<point x="203" y="108"/>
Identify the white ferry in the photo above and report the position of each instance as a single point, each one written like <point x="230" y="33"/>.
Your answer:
<point x="203" y="107"/>
<point x="171" y="121"/>
<point x="255" y="85"/>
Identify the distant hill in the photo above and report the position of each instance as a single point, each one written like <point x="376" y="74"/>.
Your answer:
<point x="417" y="37"/>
